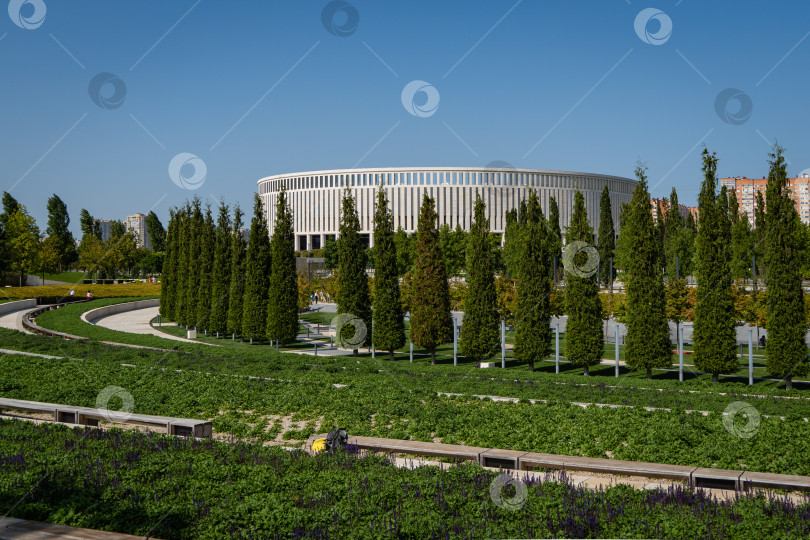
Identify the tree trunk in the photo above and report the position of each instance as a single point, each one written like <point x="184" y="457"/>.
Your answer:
<point x="715" y="378"/>
<point x="391" y="355"/>
<point x="587" y="372"/>
<point x="788" y="383"/>
<point x="649" y="373"/>
<point x="433" y="357"/>
<point x="354" y="352"/>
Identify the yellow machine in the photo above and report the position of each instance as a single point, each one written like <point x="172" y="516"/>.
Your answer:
<point x="319" y="445"/>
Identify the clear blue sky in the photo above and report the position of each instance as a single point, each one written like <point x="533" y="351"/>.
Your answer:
<point x="574" y="76"/>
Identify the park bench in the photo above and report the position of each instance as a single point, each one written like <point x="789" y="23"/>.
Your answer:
<point x="87" y="416"/>
<point x="606" y="466"/>
<point x="701" y="477"/>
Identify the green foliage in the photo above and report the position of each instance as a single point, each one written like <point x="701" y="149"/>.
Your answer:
<point x="182" y="274"/>
<point x="194" y="239"/>
<point x="533" y="312"/>
<point x="431" y="323"/>
<point x="330" y="253"/>
<point x="714" y="334"/>
<point x="647" y="345"/>
<point x="353" y="296"/>
<point x="607" y="239"/>
<point x="221" y="275"/>
<point x="62" y="241"/>
<point x="236" y="255"/>
<point x="787" y="319"/>
<point x="405" y="245"/>
<point x="22" y="240"/>
<point x="513" y="241"/>
<point x="584" y="341"/>
<point x="679" y="242"/>
<point x="282" y="314"/>
<point x="205" y="266"/>
<point x="257" y="270"/>
<point x="454" y="248"/>
<point x="741" y="249"/>
<point x="480" y="330"/>
<point x="389" y="325"/>
<point x="555" y="238"/>
<point x="168" y="296"/>
<point x="186" y="488"/>
<point x="157" y="235"/>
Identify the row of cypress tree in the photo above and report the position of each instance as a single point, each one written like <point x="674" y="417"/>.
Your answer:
<point x="216" y="282"/>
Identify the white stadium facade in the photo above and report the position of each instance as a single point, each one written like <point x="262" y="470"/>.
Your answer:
<point x="315" y="196"/>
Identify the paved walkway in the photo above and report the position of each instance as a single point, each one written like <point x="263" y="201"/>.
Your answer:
<point x="13" y="320"/>
<point x="137" y="322"/>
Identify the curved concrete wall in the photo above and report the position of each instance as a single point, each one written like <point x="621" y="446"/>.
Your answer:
<point x="95" y="314"/>
<point x="19" y="305"/>
<point x="315" y="196"/>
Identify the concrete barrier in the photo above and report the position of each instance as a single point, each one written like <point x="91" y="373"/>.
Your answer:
<point x="19" y="305"/>
<point x="95" y="314"/>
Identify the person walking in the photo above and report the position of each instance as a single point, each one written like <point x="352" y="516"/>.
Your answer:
<point x="72" y="295"/>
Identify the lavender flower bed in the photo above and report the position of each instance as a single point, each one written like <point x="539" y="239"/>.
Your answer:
<point x="149" y="484"/>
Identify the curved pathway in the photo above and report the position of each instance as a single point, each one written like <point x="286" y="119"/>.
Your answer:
<point x="13" y="320"/>
<point x="137" y="322"/>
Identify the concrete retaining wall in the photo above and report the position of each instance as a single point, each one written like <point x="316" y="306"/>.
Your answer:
<point x="19" y="305"/>
<point x="95" y="314"/>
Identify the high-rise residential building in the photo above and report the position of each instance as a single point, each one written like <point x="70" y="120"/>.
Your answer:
<point x="661" y="206"/>
<point x="137" y="224"/>
<point x="104" y="227"/>
<point x="747" y="189"/>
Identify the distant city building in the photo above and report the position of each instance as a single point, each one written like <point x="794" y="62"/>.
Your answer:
<point x="661" y="206"/>
<point x="747" y="189"/>
<point x="245" y="234"/>
<point x="137" y="224"/>
<point x="104" y="227"/>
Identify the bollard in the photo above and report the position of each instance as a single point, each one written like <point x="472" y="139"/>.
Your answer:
<point x="680" y="354"/>
<point x="276" y="345"/>
<point x="233" y="336"/>
<point x="750" y="357"/>
<point x="557" y="346"/>
<point x="503" y="344"/>
<point x="455" y="344"/>
<point x="316" y="348"/>
<point x="411" y="352"/>
<point x="617" y="350"/>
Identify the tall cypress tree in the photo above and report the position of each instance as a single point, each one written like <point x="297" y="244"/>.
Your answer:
<point x="218" y="322"/>
<point x="181" y="273"/>
<point x="257" y="270"/>
<point x="584" y="342"/>
<point x="784" y="303"/>
<point x="672" y="237"/>
<point x="431" y="322"/>
<point x="480" y="333"/>
<point x="714" y="334"/>
<point x="759" y="235"/>
<point x="353" y="296"/>
<point x="555" y="237"/>
<point x="236" y="291"/>
<point x="533" y="313"/>
<point x="389" y="326"/>
<point x="607" y="238"/>
<point x="512" y="242"/>
<point x="647" y="345"/>
<point x="205" y="267"/>
<point x="168" y="280"/>
<point x="282" y="314"/>
<point x="195" y="229"/>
